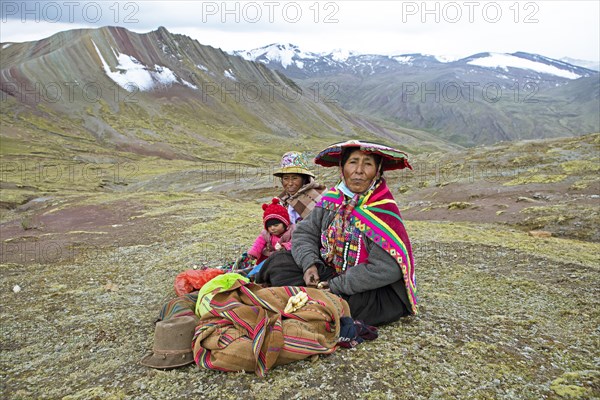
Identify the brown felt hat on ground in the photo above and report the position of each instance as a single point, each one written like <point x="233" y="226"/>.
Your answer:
<point x="172" y="343"/>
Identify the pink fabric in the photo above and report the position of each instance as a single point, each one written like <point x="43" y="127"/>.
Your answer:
<point x="260" y="248"/>
<point x="257" y="248"/>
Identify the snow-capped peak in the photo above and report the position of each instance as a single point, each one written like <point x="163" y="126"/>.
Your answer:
<point x="404" y="59"/>
<point x="285" y="54"/>
<point x="445" y="58"/>
<point x="593" y="65"/>
<point x="340" y="54"/>
<point x="506" y="61"/>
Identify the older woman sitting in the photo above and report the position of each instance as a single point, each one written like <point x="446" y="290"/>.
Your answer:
<point x="354" y="242"/>
<point x="300" y="191"/>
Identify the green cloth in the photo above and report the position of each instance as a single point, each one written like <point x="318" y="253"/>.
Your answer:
<point x="209" y="289"/>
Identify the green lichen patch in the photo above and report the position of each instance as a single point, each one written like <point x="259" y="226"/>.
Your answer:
<point x="459" y="205"/>
<point x="536" y="178"/>
<point x="576" y="384"/>
<point x="581" y="166"/>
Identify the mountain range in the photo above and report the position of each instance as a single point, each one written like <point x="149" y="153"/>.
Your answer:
<point x="100" y="94"/>
<point x="299" y="64"/>
<point x="480" y="99"/>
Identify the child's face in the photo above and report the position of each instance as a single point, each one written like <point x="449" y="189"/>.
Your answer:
<point x="277" y="229"/>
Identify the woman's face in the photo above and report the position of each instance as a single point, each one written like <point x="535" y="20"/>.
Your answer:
<point x="291" y="183"/>
<point x="359" y="171"/>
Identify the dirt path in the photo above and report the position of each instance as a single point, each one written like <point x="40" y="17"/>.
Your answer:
<point x="63" y="231"/>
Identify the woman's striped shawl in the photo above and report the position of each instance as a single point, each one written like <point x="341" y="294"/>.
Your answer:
<point x="378" y="217"/>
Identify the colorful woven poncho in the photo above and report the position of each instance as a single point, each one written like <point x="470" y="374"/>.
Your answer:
<point x="377" y="216"/>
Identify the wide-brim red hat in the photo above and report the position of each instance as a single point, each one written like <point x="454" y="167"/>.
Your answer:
<point x="392" y="158"/>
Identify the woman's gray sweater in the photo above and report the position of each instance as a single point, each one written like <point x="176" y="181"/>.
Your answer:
<point x="380" y="270"/>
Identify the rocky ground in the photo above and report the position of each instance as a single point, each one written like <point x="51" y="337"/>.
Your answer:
<point x="506" y="312"/>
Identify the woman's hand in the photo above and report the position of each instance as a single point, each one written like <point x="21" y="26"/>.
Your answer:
<point x="323" y="285"/>
<point x="311" y="276"/>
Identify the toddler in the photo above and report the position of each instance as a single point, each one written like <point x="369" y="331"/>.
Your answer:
<point x="277" y="232"/>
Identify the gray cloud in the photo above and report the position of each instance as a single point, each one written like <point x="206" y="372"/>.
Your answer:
<point x="552" y="28"/>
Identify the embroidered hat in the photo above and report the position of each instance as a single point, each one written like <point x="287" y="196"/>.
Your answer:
<point x="172" y="343"/>
<point x="293" y="162"/>
<point x="275" y="211"/>
<point x="392" y="158"/>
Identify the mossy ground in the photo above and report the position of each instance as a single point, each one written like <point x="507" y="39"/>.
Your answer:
<point x="503" y="315"/>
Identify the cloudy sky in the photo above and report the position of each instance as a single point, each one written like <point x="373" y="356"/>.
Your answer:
<point x="444" y="28"/>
